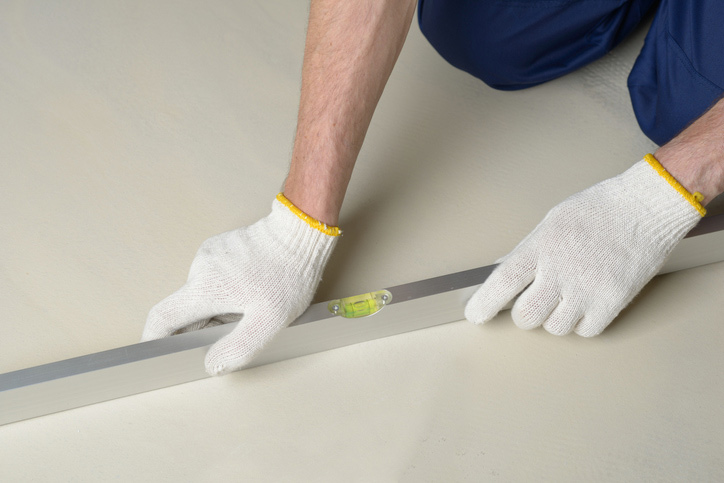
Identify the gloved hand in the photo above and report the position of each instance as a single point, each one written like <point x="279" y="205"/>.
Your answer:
<point x="592" y="253"/>
<point x="263" y="275"/>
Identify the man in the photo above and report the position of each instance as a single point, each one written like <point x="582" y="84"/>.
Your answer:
<point x="590" y="255"/>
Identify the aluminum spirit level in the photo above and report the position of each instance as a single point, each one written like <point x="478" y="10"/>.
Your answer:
<point x="137" y="368"/>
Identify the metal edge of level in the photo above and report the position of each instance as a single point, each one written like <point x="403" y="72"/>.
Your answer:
<point x="146" y="366"/>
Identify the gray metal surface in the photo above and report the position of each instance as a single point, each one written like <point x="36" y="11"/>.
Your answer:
<point x="146" y="366"/>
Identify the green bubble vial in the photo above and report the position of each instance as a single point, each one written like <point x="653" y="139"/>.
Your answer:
<point x="360" y="305"/>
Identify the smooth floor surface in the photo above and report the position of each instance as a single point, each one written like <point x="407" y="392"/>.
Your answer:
<point x="132" y="132"/>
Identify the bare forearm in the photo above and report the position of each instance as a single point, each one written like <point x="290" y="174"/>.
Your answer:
<point x="696" y="156"/>
<point x="349" y="54"/>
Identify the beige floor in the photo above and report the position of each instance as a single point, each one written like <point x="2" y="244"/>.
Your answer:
<point x="130" y="133"/>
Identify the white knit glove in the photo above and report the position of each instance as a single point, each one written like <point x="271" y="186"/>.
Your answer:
<point x="591" y="254"/>
<point x="263" y="275"/>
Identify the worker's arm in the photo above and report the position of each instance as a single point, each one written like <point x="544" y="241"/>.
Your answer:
<point x="594" y="252"/>
<point x="350" y="51"/>
<point x="265" y="275"/>
<point x="696" y="156"/>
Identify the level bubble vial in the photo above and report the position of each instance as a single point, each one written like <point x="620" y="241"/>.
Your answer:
<point x="362" y="305"/>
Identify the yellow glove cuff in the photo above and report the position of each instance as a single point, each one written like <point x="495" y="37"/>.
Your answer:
<point x="314" y="223"/>
<point x="695" y="199"/>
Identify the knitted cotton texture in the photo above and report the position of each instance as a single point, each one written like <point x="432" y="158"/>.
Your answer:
<point x="590" y="255"/>
<point x="263" y="275"/>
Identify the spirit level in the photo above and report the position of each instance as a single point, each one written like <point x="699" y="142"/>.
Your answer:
<point x="137" y="368"/>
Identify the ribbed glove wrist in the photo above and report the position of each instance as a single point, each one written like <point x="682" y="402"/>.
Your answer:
<point x="306" y="242"/>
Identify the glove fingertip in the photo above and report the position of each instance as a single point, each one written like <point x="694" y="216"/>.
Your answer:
<point x="503" y="285"/>
<point x="157" y="327"/>
<point x="588" y="330"/>
<point x="592" y="325"/>
<point x="481" y="308"/>
<point x="225" y="357"/>
<point x="151" y="334"/>
<point x="176" y="312"/>
<point x="218" y="366"/>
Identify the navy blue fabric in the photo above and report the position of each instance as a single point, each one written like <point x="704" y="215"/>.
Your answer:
<point x="680" y="70"/>
<point x="514" y="44"/>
